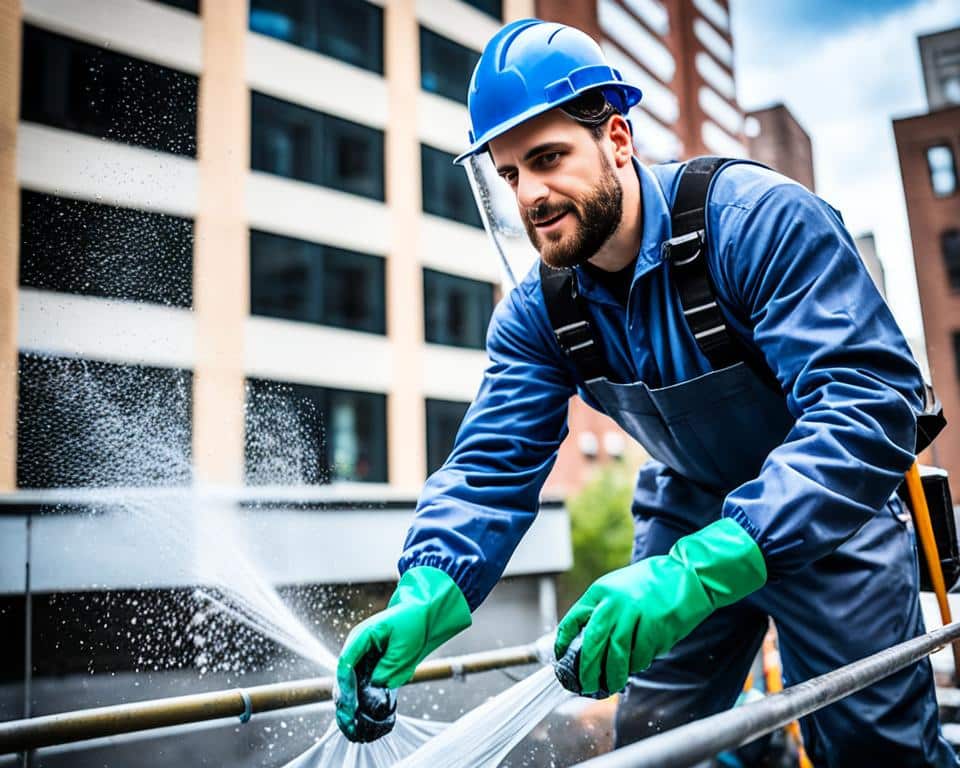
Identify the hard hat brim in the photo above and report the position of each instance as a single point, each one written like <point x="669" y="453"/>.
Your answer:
<point x="632" y="93"/>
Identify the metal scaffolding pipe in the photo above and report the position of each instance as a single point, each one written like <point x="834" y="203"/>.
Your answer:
<point x="47" y="730"/>
<point x="700" y="740"/>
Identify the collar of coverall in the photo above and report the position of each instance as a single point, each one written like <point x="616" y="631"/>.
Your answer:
<point x="656" y="229"/>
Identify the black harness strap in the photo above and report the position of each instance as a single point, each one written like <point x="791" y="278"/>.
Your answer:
<point x="570" y="319"/>
<point x="686" y="252"/>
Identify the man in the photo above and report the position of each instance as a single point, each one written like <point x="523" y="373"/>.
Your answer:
<point x="771" y="492"/>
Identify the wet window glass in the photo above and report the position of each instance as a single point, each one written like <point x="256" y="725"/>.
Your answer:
<point x="90" y="249"/>
<point x="302" y="434"/>
<point x="950" y="245"/>
<point x="445" y="66"/>
<point x="446" y="189"/>
<point x="299" y="280"/>
<point x="943" y="170"/>
<point x="300" y="143"/>
<point x="349" y="30"/>
<point x="456" y="309"/>
<point x="90" y="423"/>
<point x="491" y="7"/>
<point x="443" y="422"/>
<point x="79" y="87"/>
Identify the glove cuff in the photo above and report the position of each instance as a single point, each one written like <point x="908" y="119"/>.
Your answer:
<point x="725" y="558"/>
<point x="447" y="610"/>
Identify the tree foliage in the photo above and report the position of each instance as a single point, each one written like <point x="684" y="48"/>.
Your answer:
<point x="601" y="529"/>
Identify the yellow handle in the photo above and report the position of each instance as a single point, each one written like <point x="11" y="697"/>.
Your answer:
<point x="921" y="519"/>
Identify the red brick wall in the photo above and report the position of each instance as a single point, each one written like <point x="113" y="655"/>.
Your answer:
<point x="929" y="217"/>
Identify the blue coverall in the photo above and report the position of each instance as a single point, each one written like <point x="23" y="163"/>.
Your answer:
<point x="809" y="468"/>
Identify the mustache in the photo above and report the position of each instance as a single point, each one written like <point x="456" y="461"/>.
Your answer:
<point x="547" y="211"/>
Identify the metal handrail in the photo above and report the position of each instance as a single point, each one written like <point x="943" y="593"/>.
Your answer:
<point x="67" y="727"/>
<point x="702" y="739"/>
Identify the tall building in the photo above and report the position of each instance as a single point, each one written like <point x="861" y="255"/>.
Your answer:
<point x="776" y="139"/>
<point x="233" y="253"/>
<point x="867" y="246"/>
<point x="940" y="58"/>
<point x="928" y="147"/>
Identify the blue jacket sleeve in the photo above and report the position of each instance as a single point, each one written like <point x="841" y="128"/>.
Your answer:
<point x="849" y="378"/>
<point x="475" y="509"/>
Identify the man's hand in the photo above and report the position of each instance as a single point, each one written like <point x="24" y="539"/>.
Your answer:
<point x="382" y="652"/>
<point x="632" y="615"/>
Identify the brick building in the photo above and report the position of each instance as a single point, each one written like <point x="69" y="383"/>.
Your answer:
<point x="928" y="146"/>
<point x="775" y="138"/>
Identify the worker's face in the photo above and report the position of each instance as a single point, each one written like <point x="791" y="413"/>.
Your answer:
<point x="569" y="196"/>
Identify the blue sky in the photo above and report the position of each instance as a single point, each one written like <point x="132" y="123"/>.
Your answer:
<point x="845" y="69"/>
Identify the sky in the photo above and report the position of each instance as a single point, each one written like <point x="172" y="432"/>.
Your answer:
<point x="845" y="69"/>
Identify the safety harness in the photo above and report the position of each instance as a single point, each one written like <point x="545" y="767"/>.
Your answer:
<point x="686" y="253"/>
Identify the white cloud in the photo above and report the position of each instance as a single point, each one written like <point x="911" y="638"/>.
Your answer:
<point x="845" y="94"/>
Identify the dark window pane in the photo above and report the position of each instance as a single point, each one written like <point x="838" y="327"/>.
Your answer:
<point x="349" y="30"/>
<point x="79" y="87"/>
<point x="950" y="246"/>
<point x="300" y="143"/>
<point x="446" y="189"/>
<point x="445" y="66"/>
<point x="354" y="291"/>
<point x="456" y="309"/>
<point x="297" y="433"/>
<point x="299" y="280"/>
<point x="187" y="5"/>
<point x="943" y="170"/>
<point x="74" y="246"/>
<point x="443" y="422"/>
<point x="88" y="423"/>
<point x="491" y="7"/>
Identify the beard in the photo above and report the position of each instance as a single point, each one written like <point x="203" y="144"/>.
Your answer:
<point x="598" y="216"/>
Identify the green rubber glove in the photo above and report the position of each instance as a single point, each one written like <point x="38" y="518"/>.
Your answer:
<point x="426" y="610"/>
<point x="632" y="615"/>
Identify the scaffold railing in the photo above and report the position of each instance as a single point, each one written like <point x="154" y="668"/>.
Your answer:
<point x="700" y="740"/>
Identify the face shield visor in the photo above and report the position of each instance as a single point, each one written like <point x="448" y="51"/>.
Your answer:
<point x="501" y="220"/>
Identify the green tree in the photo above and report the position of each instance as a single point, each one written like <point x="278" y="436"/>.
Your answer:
<point x="601" y="529"/>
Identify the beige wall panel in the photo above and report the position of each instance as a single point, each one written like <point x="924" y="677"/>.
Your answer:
<point x="221" y="264"/>
<point x="406" y="434"/>
<point x="10" y="14"/>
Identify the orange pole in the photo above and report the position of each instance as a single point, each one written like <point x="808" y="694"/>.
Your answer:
<point x="774" y="682"/>
<point x="921" y="518"/>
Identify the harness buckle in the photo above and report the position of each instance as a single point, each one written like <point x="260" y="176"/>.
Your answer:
<point x="574" y="337"/>
<point x="683" y="249"/>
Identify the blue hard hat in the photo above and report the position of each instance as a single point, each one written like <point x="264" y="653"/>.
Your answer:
<point x="531" y="66"/>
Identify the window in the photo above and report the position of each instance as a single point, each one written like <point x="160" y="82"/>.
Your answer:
<point x="299" y="280"/>
<point x="943" y="172"/>
<point x="446" y="189"/>
<point x="491" y="7"/>
<point x="79" y="87"/>
<point x="950" y="247"/>
<point x="300" y="143"/>
<point x="456" y="309"/>
<point x="74" y="246"/>
<point x="300" y="434"/>
<point x="349" y="30"/>
<point x="88" y="423"/>
<point x="443" y="422"/>
<point x="193" y="6"/>
<point x="445" y="66"/>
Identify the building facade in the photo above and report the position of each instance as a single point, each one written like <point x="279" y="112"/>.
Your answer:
<point x="928" y="147"/>
<point x="776" y="139"/>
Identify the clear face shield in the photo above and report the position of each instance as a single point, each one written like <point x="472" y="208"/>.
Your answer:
<point x="501" y="219"/>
